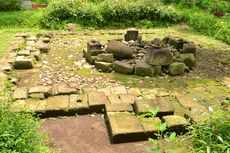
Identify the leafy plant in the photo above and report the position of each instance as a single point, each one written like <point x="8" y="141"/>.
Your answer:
<point x="19" y="132"/>
<point x="9" y="5"/>
<point x="107" y="12"/>
<point x="161" y="135"/>
<point x="212" y="137"/>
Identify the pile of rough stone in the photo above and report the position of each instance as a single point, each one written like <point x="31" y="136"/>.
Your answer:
<point x="25" y="51"/>
<point x="173" y="56"/>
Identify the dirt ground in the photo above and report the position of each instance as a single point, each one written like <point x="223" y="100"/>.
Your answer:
<point x="86" y="134"/>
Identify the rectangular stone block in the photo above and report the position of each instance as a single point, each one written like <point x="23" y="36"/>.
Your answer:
<point x="145" y="106"/>
<point x="46" y="90"/>
<point x="23" y="53"/>
<point x="37" y="96"/>
<point x="105" y="90"/>
<point x="119" y="108"/>
<point x="128" y="98"/>
<point x="104" y="66"/>
<point x="57" y="103"/>
<point x="150" y="126"/>
<point x="20" y="93"/>
<point x="165" y="106"/>
<point x="23" y="63"/>
<point x="186" y="101"/>
<point x="5" y="67"/>
<point x="94" y="48"/>
<point x="78" y="102"/>
<point x="97" y="101"/>
<point x="65" y="90"/>
<point x="124" y="127"/>
<point x="114" y="99"/>
<point x="135" y="91"/>
<point x="198" y="115"/>
<point x="118" y="90"/>
<point x="37" y="105"/>
<point x="176" y="123"/>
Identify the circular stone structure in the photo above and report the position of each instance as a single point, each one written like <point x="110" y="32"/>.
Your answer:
<point x="171" y="55"/>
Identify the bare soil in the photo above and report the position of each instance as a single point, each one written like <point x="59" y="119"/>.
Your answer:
<point x="86" y="134"/>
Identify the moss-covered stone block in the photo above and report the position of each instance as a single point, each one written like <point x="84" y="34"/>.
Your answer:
<point x="186" y="101"/>
<point x="189" y="60"/>
<point x="97" y="101"/>
<point x="165" y="106"/>
<point x="143" y="69"/>
<point x="104" y="66"/>
<point x="78" y="102"/>
<point x="128" y="98"/>
<point x="119" y="108"/>
<point x="37" y="105"/>
<point x="150" y="126"/>
<point x="158" y="56"/>
<point x="114" y="99"/>
<point x="123" y="67"/>
<point x="145" y="106"/>
<point x="23" y="63"/>
<point x="176" y="68"/>
<point x="20" y="93"/>
<point x="57" y="103"/>
<point x="106" y="57"/>
<point x="176" y="123"/>
<point x="118" y="90"/>
<point x="90" y="59"/>
<point x="124" y="127"/>
<point x="198" y="115"/>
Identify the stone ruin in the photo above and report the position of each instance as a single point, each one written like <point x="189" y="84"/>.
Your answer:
<point x="120" y="104"/>
<point x="25" y="52"/>
<point x="171" y="55"/>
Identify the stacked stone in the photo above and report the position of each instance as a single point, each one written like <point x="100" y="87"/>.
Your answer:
<point x="173" y="56"/>
<point x="24" y="52"/>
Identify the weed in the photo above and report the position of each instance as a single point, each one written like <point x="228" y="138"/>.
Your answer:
<point x="161" y="133"/>
<point x="212" y="137"/>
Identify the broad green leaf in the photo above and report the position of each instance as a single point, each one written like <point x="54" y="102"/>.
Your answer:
<point x="163" y="127"/>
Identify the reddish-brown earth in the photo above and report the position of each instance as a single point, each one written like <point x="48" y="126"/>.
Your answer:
<point x="86" y="134"/>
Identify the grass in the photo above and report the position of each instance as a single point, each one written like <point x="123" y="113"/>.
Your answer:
<point x="20" y="19"/>
<point x="7" y="36"/>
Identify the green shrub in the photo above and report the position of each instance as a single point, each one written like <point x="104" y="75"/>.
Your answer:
<point x="6" y="5"/>
<point x="108" y="12"/>
<point x="20" y="133"/>
<point x="27" y="18"/>
<point x="64" y="11"/>
<point x="212" y="137"/>
<point x="214" y="5"/>
<point x="209" y="5"/>
<point x="210" y="25"/>
<point x="137" y="10"/>
<point x="41" y="2"/>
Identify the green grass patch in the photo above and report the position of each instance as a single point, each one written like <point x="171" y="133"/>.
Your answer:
<point x="22" y="19"/>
